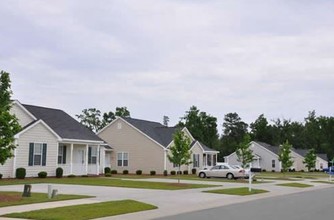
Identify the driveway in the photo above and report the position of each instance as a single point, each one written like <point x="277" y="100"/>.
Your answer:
<point x="169" y="202"/>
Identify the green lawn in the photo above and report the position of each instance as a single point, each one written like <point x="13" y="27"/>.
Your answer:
<point x="327" y="182"/>
<point x="242" y="191"/>
<point x="107" y="181"/>
<point x="291" y="175"/>
<point x="15" y="198"/>
<point x="298" y="185"/>
<point x="87" y="211"/>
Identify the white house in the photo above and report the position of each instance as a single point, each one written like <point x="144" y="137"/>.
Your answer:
<point x="50" y="138"/>
<point x="266" y="158"/>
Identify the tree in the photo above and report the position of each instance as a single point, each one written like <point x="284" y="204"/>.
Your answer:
<point x="261" y="130"/>
<point x="284" y="156"/>
<point x="165" y="120"/>
<point x="244" y="153"/>
<point x="310" y="159"/>
<point x="203" y="127"/>
<point x="234" y="129"/>
<point x="9" y="124"/>
<point x="180" y="151"/>
<point x="91" y="119"/>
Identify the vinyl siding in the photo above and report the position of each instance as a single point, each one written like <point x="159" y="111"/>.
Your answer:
<point x="144" y="154"/>
<point x="7" y="169"/>
<point x="298" y="162"/>
<point x="37" y="134"/>
<point x="22" y="116"/>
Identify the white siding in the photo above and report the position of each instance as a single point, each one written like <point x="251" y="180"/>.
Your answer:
<point x="22" y="116"/>
<point x="320" y="162"/>
<point x="37" y="134"/>
<point x="7" y="169"/>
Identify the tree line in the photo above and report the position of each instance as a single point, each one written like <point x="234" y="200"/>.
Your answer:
<point x="315" y="132"/>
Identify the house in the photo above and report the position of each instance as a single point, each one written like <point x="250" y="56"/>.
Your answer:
<point x="144" y="145"/>
<point x="49" y="139"/>
<point x="266" y="158"/>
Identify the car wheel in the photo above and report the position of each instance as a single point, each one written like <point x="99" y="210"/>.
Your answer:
<point x="202" y="175"/>
<point x="230" y="176"/>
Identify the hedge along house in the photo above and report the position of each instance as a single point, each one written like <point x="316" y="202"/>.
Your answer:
<point x="50" y="138"/>
<point x="144" y="145"/>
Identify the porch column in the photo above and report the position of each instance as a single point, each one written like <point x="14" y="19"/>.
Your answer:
<point x="98" y="160"/>
<point x="14" y="159"/>
<point x="71" y="160"/>
<point x="86" y="161"/>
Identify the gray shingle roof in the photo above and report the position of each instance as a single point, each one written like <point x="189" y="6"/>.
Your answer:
<point x="301" y="152"/>
<point x="323" y="156"/>
<point x="269" y="147"/>
<point x="62" y="123"/>
<point x="158" y="132"/>
<point x="206" y="148"/>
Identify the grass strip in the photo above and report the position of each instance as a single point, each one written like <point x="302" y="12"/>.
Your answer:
<point x="87" y="211"/>
<point x="298" y="185"/>
<point x="104" y="181"/>
<point x="326" y="182"/>
<point x="15" y="198"/>
<point x="242" y="191"/>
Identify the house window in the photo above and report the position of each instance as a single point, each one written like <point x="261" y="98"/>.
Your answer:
<point x="92" y="155"/>
<point x="37" y="154"/>
<point x="122" y="159"/>
<point x="62" y="154"/>
<point x="273" y="163"/>
<point x="195" y="160"/>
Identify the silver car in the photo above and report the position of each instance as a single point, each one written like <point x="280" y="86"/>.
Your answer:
<point x="222" y="171"/>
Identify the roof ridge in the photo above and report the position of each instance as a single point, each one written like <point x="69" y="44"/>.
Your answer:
<point x="36" y="106"/>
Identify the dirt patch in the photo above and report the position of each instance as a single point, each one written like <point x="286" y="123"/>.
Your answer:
<point x="9" y="198"/>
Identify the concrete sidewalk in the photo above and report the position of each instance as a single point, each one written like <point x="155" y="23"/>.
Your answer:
<point x="169" y="202"/>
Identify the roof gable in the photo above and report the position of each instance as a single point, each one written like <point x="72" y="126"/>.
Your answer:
<point x="62" y="124"/>
<point x="272" y="149"/>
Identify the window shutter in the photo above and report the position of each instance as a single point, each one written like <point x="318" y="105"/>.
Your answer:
<point x="64" y="154"/>
<point x="89" y="155"/>
<point x="44" y="154"/>
<point x="31" y="154"/>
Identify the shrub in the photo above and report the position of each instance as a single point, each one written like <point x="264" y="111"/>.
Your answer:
<point x="185" y="172"/>
<point x="84" y="175"/>
<point x="139" y="172"/>
<point x="173" y="172"/>
<point x="193" y="171"/>
<point x="273" y="171"/>
<point x="42" y="174"/>
<point x="107" y="174"/>
<point x="113" y="171"/>
<point x="179" y="172"/>
<point x="107" y="170"/>
<point x="264" y="170"/>
<point x="302" y="171"/>
<point x="20" y="173"/>
<point x="71" y="176"/>
<point x="0" y="176"/>
<point x="152" y="172"/>
<point x="125" y="172"/>
<point x="165" y="173"/>
<point x="59" y="172"/>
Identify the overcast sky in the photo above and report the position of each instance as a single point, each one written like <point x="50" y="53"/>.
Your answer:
<point x="161" y="57"/>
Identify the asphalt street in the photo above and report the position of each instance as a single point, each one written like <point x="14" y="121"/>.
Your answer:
<point x="311" y="205"/>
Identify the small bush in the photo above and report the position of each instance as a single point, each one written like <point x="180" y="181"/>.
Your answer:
<point x="107" y="170"/>
<point x="165" y="173"/>
<point x="113" y="171"/>
<point x="85" y="175"/>
<point x="173" y="172"/>
<point x="42" y="174"/>
<point x="125" y="172"/>
<point x="179" y="172"/>
<point x="139" y="172"/>
<point x="59" y="172"/>
<point x="273" y="171"/>
<point x="71" y="176"/>
<point x="20" y="173"/>
<point x="193" y="171"/>
<point x="107" y="174"/>
<point x="264" y="170"/>
<point x="0" y="176"/>
<point x="302" y="171"/>
<point x="152" y="172"/>
<point x="185" y="172"/>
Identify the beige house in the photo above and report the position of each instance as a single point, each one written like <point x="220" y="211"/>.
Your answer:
<point x="144" y="145"/>
<point x="50" y="138"/>
<point x="266" y="158"/>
